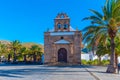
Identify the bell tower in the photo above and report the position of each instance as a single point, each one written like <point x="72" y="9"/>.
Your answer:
<point x="62" y="22"/>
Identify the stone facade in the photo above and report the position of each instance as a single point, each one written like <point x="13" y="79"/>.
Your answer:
<point x="63" y="44"/>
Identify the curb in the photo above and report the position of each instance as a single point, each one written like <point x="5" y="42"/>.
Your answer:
<point x="96" y="78"/>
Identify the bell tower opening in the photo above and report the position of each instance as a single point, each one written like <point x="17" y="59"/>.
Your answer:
<point x="62" y="16"/>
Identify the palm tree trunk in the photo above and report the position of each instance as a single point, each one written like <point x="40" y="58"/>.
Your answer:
<point x="14" y="60"/>
<point x="24" y="58"/>
<point x="9" y="57"/>
<point x="99" y="58"/>
<point x="34" y="57"/>
<point x="116" y="60"/>
<point x="112" y="68"/>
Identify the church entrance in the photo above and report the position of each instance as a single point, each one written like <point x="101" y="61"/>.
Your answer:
<point x="62" y="55"/>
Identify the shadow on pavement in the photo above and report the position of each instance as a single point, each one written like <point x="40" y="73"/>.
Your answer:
<point x="41" y="70"/>
<point x="24" y="70"/>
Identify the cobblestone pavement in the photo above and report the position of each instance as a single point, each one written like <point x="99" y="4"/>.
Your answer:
<point x="40" y="72"/>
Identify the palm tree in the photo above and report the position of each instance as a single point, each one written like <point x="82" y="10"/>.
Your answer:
<point x="24" y="51"/>
<point x="105" y="25"/>
<point x="35" y="50"/>
<point x="3" y="50"/>
<point x="15" y="46"/>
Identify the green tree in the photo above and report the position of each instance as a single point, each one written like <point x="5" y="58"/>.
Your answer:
<point x="15" y="46"/>
<point x="117" y="48"/>
<point x="106" y="24"/>
<point x="102" y="50"/>
<point x="24" y="51"/>
<point x="36" y="50"/>
<point x="3" y="50"/>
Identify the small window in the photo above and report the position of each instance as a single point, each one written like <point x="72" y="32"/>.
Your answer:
<point x="59" y="26"/>
<point x="65" y="26"/>
<point x="62" y="37"/>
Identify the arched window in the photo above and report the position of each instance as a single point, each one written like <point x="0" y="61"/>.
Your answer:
<point x="65" y="26"/>
<point x="59" y="26"/>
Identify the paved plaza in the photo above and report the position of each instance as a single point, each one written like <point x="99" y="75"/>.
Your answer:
<point x="43" y="72"/>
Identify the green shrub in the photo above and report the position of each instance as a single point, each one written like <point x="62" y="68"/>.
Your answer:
<point x="95" y="62"/>
<point x="89" y="62"/>
<point x="105" y="62"/>
<point x="84" y="62"/>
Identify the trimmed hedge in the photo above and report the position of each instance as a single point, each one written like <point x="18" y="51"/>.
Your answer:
<point x="96" y="62"/>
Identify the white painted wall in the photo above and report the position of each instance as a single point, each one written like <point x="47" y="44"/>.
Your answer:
<point x="119" y="59"/>
<point x="85" y="56"/>
<point x="89" y="55"/>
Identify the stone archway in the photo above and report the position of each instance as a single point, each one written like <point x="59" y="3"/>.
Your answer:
<point x="62" y="55"/>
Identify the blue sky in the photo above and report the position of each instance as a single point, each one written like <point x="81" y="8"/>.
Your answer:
<point x="27" y="20"/>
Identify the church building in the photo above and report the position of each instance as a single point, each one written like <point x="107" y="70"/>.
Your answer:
<point x="63" y="44"/>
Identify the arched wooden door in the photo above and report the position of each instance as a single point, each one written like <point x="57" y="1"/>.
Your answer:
<point x="62" y="55"/>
